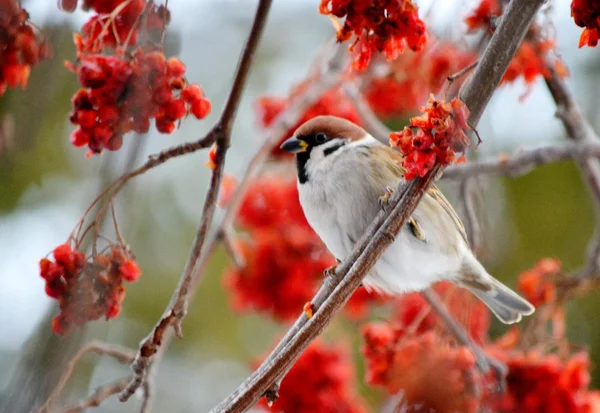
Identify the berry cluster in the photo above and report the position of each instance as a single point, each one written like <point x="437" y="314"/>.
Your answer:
<point x="413" y="353"/>
<point x="440" y="133"/>
<point x="284" y="258"/>
<point x="531" y="59"/>
<point x="121" y="94"/>
<point x="117" y="24"/>
<point x="382" y="26"/>
<point x="543" y="383"/>
<point x="412" y="77"/>
<point x="86" y="290"/>
<point x="20" y="46"/>
<point x="333" y="102"/>
<point x="123" y="91"/>
<point x="538" y="284"/>
<point x="586" y="14"/>
<point x="483" y="16"/>
<point x="322" y="380"/>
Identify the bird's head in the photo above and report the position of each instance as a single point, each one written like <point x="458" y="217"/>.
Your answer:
<point x="319" y="138"/>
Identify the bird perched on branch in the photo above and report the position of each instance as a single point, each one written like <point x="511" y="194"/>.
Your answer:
<point x="345" y="177"/>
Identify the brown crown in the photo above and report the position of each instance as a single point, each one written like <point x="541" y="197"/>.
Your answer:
<point x="332" y="126"/>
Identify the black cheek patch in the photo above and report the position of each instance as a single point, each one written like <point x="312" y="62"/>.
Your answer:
<point x="331" y="150"/>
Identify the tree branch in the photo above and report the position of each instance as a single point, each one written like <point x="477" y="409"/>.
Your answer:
<point x="221" y="132"/>
<point x="579" y="130"/>
<point x="337" y="289"/>
<point x="523" y="162"/>
<point x="100" y="394"/>
<point x="123" y="355"/>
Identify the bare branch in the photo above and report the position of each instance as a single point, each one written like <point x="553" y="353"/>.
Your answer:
<point x="100" y="394"/>
<point x="221" y="132"/>
<point x="579" y="130"/>
<point x="228" y="239"/>
<point x="470" y="220"/>
<point x="338" y="288"/>
<point x="123" y="355"/>
<point x="523" y="162"/>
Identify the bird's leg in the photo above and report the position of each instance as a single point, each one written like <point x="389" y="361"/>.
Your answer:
<point x="384" y="200"/>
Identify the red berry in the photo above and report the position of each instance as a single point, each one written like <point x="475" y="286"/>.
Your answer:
<point x="191" y="93"/>
<point x="164" y="125"/>
<point x="201" y="108"/>
<point x="68" y="5"/>
<point x="79" y="137"/>
<point x="175" y="109"/>
<point x="175" y="68"/>
<point x="113" y="310"/>
<point x="130" y="271"/>
<point x="63" y="254"/>
<point x="114" y="143"/>
<point x="86" y="118"/>
<point x="60" y="324"/>
<point x="108" y="114"/>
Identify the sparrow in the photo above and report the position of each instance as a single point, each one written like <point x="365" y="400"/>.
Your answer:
<point x="345" y="177"/>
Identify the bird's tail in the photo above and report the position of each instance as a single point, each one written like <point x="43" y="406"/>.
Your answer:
<point x="507" y="305"/>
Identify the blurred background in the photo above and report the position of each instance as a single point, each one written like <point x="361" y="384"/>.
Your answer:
<point x="46" y="184"/>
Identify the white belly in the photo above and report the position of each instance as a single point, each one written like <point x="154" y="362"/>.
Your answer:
<point x="407" y="265"/>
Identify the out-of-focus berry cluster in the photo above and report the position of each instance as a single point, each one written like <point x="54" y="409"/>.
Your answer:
<point x="414" y="354"/>
<point x="284" y="258"/>
<point x="409" y="80"/>
<point x="379" y="26"/>
<point x="533" y="56"/>
<point x="118" y="23"/>
<point x="87" y="289"/>
<point x="333" y="102"/>
<point x="322" y="380"/>
<point x="126" y="84"/>
<point x="440" y="134"/>
<point x="122" y="94"/>
<point x="21" y="47"/>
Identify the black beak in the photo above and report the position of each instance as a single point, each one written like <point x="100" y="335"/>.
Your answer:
<point x="294" y="145"/>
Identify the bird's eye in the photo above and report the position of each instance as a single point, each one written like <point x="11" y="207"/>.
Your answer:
<point x="320" y="137"/>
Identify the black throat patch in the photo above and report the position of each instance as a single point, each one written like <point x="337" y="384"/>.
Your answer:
<point x="301" y="159"/>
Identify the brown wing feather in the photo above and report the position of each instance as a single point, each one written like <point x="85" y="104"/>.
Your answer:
<point x="433" y="191"/>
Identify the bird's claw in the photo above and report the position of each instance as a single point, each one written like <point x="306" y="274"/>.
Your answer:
<point x="330" y="271"/>
<point x="384" y="200"/>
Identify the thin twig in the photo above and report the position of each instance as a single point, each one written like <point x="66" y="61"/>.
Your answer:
<point x="100" y="394"/>
<point x="452" y="78"/>
<point x="228" y="240"/>
<point x="123" y="355"/>
<point x="178" y="305"/>
<point x="470" y="220"/>
<point x="483" y="361"/>
<point x="338" y="288"/>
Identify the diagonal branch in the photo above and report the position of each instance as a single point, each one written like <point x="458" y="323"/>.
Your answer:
<point x="177" y="308"/>
<point x="337" y="289"/>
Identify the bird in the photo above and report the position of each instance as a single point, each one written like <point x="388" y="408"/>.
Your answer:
<point x="345" y="176"/>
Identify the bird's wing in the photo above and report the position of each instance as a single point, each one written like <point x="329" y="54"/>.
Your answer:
<point x="393" y="162"/>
